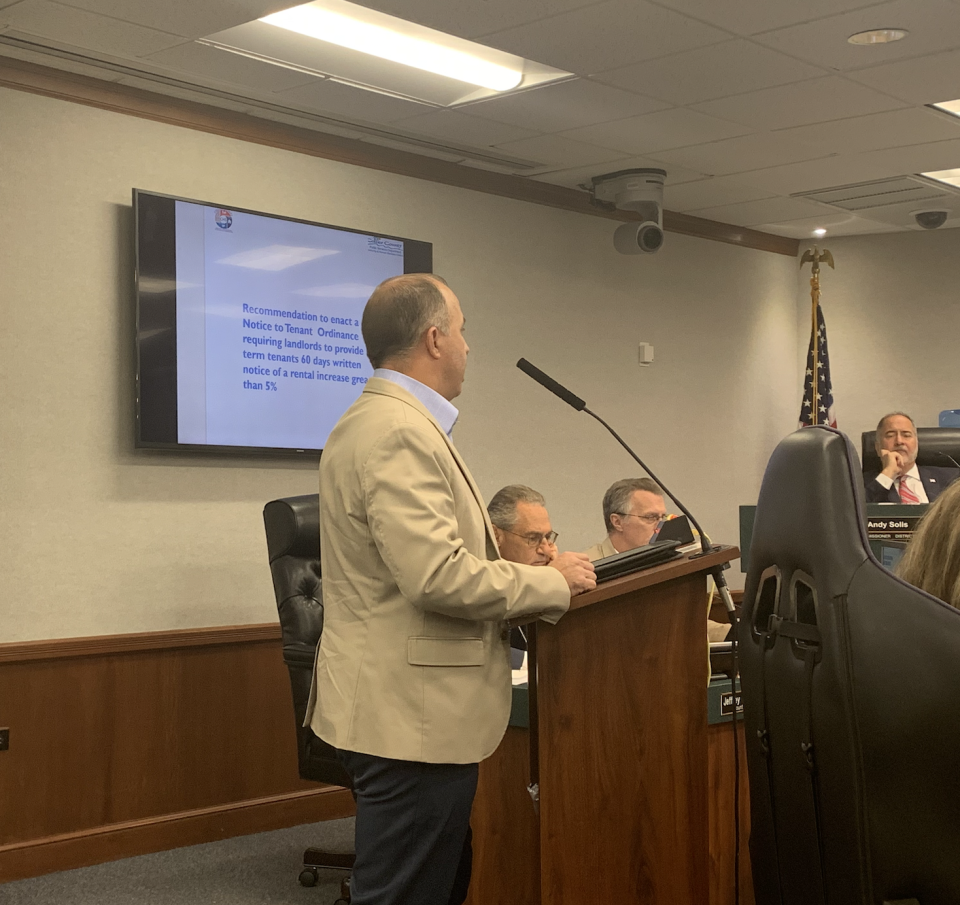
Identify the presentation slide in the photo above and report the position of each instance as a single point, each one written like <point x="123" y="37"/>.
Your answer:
<point x="269" y="349"/>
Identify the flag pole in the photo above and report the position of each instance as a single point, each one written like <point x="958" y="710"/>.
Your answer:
<point x="815" y="256"/>
<point x="815" y="333"/>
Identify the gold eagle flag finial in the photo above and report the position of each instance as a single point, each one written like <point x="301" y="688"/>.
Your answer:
<point x="814" y="256"/>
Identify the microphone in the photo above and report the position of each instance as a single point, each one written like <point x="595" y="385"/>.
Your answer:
<point x="550" y="384"/>
<point x="576" y="402"/>
<point x="942" y="455"/>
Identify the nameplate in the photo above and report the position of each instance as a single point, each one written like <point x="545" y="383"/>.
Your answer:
<point x="726" y="703"/>
<point x="899" y="527"/>
<point x="720" y="702"/>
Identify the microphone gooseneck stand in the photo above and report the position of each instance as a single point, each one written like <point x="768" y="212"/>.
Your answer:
<point x="716" y="573"/>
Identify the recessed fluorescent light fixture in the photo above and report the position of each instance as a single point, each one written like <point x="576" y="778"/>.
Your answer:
<point x="878" y="36"/>
<point x="820" y="233"/>
<point x="389" y="38"/>
<point x="950" y="177"/>
<point x="952" y="107"/>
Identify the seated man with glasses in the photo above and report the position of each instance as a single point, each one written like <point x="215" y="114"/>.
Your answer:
<point x="632" y="509"/>
<point x="521" y="525"/>
<point x="522" y="529"/>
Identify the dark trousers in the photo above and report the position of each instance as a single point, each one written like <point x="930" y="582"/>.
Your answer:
<point x="413" y="830"/>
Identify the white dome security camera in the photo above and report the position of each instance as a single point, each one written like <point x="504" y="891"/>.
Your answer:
<point x="639" y="190"/>
<point x="931" y="219"/>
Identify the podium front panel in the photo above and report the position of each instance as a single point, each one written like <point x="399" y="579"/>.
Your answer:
<point x="623" y="749"/>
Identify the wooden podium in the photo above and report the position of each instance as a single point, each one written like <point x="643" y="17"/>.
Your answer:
<point x="623" y="754"/>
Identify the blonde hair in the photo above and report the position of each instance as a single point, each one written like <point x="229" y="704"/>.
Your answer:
<point x="931" y="561"/>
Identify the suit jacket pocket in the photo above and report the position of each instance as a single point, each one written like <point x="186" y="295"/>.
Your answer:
<point x="445" y="651"/>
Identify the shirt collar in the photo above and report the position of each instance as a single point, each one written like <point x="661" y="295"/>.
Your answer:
<point x="443" y="410"/>
<point x="913" y="472"/>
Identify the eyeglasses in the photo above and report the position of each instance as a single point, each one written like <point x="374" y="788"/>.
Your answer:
<point x="534" y="540"/>
<point x="651" y="519"/>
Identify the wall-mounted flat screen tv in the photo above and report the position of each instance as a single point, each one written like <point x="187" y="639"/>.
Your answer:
<point x="248" y="324"/>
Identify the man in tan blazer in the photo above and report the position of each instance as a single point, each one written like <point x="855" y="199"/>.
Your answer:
<point x="412" y="679"/>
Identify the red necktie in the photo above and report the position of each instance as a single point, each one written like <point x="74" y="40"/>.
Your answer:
<point x="906" y="494"/>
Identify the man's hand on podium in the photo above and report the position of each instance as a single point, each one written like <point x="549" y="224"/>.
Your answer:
<point x="577" y="571"/>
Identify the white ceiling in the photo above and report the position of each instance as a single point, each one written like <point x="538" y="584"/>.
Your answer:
<point x="743" y="102"/>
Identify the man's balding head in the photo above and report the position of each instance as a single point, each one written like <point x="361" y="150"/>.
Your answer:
<point x="398" y="313"/>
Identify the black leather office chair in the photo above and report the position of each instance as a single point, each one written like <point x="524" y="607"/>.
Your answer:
<point x="936" y="446"/>
<point x="293" y="543"/>
<point x="851" y="685"/>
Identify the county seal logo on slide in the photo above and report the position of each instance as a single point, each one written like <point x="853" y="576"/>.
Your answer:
<point x="223" y="219"/>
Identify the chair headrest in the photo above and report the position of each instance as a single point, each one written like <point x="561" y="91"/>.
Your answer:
<point x="293" y="527"/>
<point x="934" y="445"/>
<point x="809" y="509"/>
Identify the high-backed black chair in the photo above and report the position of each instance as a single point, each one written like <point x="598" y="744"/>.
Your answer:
<point x="851" y="687"/>
<point x="937" y="446"/>
<point x="293" y="543"/>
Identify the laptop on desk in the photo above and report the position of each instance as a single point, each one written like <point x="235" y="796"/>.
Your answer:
<point x="634" y="560"/>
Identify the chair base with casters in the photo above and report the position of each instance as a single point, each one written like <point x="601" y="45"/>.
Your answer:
<point x="315" y="860"/>
<point x="293" y="542"/>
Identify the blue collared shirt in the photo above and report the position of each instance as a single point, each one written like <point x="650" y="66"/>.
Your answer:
<point x="443" y="410"/>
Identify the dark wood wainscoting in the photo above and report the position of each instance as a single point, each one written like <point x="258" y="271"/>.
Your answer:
<point x="127" y="744"/>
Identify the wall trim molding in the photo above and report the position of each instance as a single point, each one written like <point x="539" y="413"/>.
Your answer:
<point x="154" y="834"/>
<point x="105" y="95"/>
<point x="172" y="639"/>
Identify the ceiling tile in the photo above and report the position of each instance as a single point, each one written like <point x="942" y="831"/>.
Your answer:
<point x="934" y="25"/>
<point x="750" y="213"/>
<point x="805" y="176"/>
<point x="605" y="36"/>
<point x="336" y="99"/>
<point x="79" y="28"/>
<point x="450" y="125"/>
<point x="208" y="62"/>
<point x="552" y="151"/>
<point x="720" y="70"/>
<point x="709" y="193"/>
<point x="198" y="96"/>
<point x="812" y="101"/>
<point x="927" y="80"/>
<point x="840" y="224"/>
<point x="66" y="65"/>
<point x="738" y="155"/>
<point x="469" y="20"/>
<point x="920" y="158"/>
<point x="577" y="176"/>
<point x="749" y="17"/>
<point x="291" y="118"/>
<point x="910" y="126"/>
<point x="190" y="18"/>
<point x="567" y="105"/>
<point x="672" y="128"/>
<point x="400" y="145"/>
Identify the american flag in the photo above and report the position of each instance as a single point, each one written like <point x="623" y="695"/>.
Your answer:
<point x="825" y="410"/>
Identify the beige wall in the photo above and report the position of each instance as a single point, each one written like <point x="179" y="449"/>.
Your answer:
<point x="892" y="308"/>
<point x="97" y="538"/>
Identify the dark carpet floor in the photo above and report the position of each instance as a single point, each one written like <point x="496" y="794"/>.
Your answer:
<point x="249" y="870"/>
